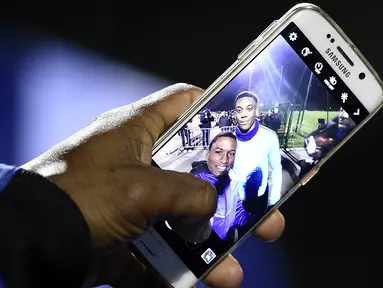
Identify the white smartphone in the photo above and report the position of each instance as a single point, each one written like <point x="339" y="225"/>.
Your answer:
<point x="262" y="129"/>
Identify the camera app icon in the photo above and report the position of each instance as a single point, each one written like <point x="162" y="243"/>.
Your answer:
<point x="208" y="256"/>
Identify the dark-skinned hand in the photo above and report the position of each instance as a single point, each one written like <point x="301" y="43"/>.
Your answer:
<point x="106" y="169"/>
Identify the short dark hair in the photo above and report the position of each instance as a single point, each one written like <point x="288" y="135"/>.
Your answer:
<point x="244" y="94"/>
<point x="220" y="135"/>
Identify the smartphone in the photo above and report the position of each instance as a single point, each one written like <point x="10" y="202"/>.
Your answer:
<point x="263" y="129"/>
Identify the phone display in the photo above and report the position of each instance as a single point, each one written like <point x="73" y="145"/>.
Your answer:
<point x="258" y="137"/>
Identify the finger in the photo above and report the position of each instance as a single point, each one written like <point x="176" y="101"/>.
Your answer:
<point x="184" y="200"/>
<point x="158" y="117"/>
<point x="271" y="228"/>
<point x="227" y="274"/>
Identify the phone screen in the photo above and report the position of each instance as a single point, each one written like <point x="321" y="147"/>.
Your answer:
<point x="265" y="130"/>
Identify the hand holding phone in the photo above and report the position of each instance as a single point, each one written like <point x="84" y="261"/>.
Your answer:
<point x="128" y="194"/>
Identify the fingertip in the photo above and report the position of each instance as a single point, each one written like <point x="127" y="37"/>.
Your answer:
<point x="184" y="197"/>
<point x="272" y="227"/>
<point x="205" y="196"/>
<point x="228" y="273"/>
<point x="178" y="88"/>
<point x="201" y="204"/>
<point x="186" y="202"/>
<point x="164" y="107"/>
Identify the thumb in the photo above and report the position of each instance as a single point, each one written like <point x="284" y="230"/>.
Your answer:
<point x="181" y="199"/>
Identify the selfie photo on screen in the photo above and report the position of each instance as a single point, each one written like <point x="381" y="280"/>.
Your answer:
<point x="261" y="134"/>
<point x="258" y="137"/>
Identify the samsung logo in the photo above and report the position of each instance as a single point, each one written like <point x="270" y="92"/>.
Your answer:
<point x="337" y="62"/>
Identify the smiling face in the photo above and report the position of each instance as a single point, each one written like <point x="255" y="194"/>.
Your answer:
<point x="245" y="111"/>
<point x="221" y="155"/>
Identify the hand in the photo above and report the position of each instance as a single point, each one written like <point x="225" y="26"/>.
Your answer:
<point x="106" y="169"/>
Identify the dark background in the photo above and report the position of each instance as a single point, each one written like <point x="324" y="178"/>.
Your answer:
<point x="331" y="222"/>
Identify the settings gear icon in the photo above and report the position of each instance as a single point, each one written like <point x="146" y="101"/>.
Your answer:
<point x="293" y="36"/>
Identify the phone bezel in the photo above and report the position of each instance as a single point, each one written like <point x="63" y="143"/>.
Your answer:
<point x="300" y="15"/>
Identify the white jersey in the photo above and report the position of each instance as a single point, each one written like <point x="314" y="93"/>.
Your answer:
<point x="262" y="151"/>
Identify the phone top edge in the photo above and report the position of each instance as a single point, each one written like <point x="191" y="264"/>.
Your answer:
<point x="304" y="6"/>
<point x="262" y="41"/>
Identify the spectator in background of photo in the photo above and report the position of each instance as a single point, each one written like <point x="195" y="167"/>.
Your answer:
<point x="274" y="120"/>
<point x="321" y="141"/>
<point x="224" y="122"/>
<point x="184" y="133"/>
<point x="205" y="118"/>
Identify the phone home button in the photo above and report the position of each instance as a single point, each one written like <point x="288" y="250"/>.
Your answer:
<point x="151" y="243"/>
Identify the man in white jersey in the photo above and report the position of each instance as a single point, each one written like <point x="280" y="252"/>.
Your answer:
<point x="258" y="149"/>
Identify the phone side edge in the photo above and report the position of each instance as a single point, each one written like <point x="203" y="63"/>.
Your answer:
<point x="168" y="266"/>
